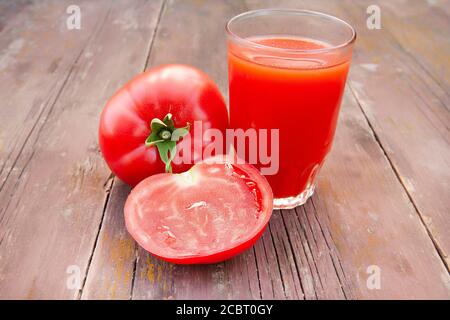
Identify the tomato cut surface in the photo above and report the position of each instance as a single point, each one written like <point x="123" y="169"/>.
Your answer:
<point x="205" y="215"/>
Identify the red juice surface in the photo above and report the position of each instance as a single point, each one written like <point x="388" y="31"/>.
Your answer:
<point x="298" y="96"/>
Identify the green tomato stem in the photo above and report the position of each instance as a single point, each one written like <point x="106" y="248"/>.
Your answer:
<point x="165" y="136"/>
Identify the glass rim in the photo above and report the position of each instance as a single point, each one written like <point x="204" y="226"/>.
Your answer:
<point x="264" y="12"/>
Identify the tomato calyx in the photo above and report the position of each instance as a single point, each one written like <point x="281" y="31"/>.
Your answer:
<point x="165" y="136"/>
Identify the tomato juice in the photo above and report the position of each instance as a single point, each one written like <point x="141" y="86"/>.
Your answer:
<point x="299" y="95"/>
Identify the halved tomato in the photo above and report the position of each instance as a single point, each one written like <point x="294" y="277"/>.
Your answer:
<point x="205" y="215"/>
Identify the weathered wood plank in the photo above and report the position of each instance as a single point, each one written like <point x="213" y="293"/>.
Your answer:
<point x="354" y="136"/>
<point x="371" y="221"/>
<point x="52" y="202"/>
<point x="408" y="107"/>
<point x="421" y="28"/>
<point x="306" y="233"/>
<point x="243" y="276"/>
<point x="29" y="89"/>
<point x="406" y="103"/>
<point x="398" y="97"/>
<point x="10" y="9"/>
<point x="190" y="32"/>
<point x="111" y="271"/>
<point x="263" y="272"/>
<point x="325" y="270"/>
<point x="271" y="270"/>
<point x="28" y="92"/>
<point x="360" y="215"/>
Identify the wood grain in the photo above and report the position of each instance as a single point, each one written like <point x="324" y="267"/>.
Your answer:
<point x="408" y="109"/>
<point x="381" y="47"/>
<point x="371" y="220"/>
<point x="346" y="275"/>
<point x="186" y="26"/>
<point x="420" y="28"/>
<point x="30" y="89"/>
<point x="112" y="270"/>
<point x="29" y="93"/>
<point x="382" y="196"/>
<point x="405" y="101"/>
<point x="52" y="201"/>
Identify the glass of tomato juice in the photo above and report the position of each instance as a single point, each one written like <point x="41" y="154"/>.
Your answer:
<point x="287" y="71"/>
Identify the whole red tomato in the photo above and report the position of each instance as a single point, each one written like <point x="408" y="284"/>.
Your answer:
<point x="170" y="95"/>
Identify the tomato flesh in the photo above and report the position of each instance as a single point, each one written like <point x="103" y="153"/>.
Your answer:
<point x="205" y="215"/>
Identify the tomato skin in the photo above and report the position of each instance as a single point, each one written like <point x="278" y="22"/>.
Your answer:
<point x="185" y="92"/>
<point x="143" y="216"/>
<point x="217" y="257"/>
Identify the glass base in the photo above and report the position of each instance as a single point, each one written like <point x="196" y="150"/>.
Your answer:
<point x="292" y="202"/>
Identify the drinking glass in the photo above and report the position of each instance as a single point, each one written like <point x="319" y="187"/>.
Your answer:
<point x="287" y="71"/>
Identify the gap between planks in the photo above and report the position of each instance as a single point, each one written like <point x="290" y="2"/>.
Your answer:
<point x="111" y="179"/>
<point x="41" y="114"/>
<point x="108" y="185"/>
<point x="397" y="171"/>
<point x="436" y="245"/>
<point x="360" y="103"/>
<point x="161" y="13"/>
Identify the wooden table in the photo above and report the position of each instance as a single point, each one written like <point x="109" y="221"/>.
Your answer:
<point x="382" y="205"/>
